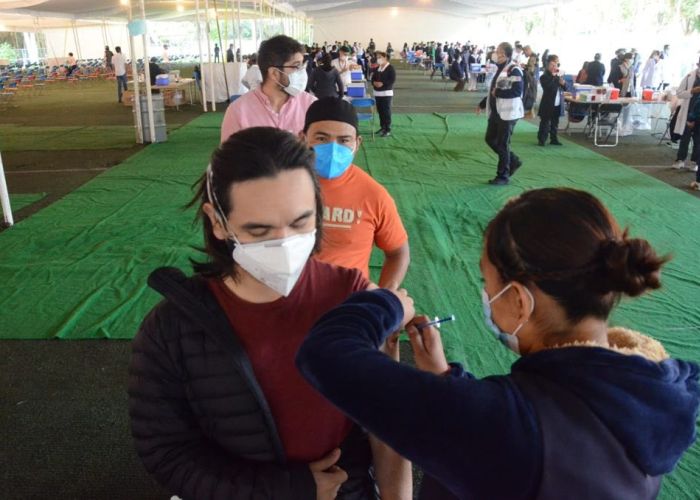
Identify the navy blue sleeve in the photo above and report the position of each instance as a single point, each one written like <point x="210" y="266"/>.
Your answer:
<point x="469" y="434"/>
<point x="516" y="90"/>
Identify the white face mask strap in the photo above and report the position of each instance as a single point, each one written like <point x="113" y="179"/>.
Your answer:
<point x="532" y="309"/>
<point x="289" y="80"/>
<point x="505" y="289"/>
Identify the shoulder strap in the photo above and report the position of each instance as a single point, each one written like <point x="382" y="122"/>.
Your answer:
<point x="200" y="307"/>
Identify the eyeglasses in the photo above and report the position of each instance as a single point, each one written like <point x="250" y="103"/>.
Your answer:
<point x="295" y="68"/>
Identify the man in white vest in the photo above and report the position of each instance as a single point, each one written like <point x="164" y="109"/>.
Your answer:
<point x="504" y="104"/>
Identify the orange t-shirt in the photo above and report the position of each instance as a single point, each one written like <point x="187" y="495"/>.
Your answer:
<point x="358" y="213"/>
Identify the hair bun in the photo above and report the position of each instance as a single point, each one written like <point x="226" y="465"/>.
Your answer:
<point x="630" y="266"/>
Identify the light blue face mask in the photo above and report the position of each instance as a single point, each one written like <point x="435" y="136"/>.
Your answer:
<point x="332" y="159"/>
<point x="510" y="340"/>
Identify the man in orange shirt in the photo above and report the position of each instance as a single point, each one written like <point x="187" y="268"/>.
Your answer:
<point x="358" y="212"/>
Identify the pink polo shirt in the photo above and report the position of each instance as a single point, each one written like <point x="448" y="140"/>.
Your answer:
<point x="253" y="109"/>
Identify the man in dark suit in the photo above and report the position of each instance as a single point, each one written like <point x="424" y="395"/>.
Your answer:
<point x="550" y="105"/>
<point x="615" y="73"/>
<point x="596" y="71"/>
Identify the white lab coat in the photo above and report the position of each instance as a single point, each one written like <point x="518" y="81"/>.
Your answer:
<point x="684" y="95"/>
<point x="667" y="69"/>
<point x="651" y="77"/>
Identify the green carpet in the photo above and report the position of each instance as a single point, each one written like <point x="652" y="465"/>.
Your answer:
<point x="20" y="201"/>
<point x="77" y="269"/>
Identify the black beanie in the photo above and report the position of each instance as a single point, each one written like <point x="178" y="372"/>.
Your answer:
<point x="333" y="109"/>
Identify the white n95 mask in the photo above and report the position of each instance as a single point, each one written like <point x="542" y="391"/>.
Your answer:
<point x="297" y="82"/>
<point x="276" y="263"/>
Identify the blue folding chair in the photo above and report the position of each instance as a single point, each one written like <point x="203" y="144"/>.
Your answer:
<point x="361" y="104"/>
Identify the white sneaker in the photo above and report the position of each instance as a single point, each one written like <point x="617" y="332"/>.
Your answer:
<point x="678" y="165"/>
<point x="692" y="166"/>
<point x="695" y="186"/>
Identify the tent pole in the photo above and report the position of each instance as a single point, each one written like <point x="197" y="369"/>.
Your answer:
<point x="49" y="45"/>
<point x="202" y="81"/>
<point x="211" y="65"/>
<point x="75" y="40"/>
<point x="221" y="49"/>
<point x="147" y="78"/>
<point x="233" y="24"/>
<point x="240" y="36"/>
<point x="5" y="198"/>
<point x="135" y="77"/>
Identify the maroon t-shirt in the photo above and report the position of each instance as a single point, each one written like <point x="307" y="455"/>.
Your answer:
<point x="271" y="334"/>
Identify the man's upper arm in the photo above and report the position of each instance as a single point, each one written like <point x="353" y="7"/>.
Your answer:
<point x="389" y="233"/>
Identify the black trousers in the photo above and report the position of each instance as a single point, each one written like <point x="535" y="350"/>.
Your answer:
<point x="498" y="134"/>
<point x="384" y="110"/>
<point x="689" y="133"/>
<point x="549" y="125"/>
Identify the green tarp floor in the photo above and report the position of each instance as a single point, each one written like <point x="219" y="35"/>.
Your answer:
<point x="77" y="269"/>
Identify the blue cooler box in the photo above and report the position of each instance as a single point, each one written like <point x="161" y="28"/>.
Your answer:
<point x="356" y="91"/>
<point x="356" y="75"/>
<point x="162" y="79"/>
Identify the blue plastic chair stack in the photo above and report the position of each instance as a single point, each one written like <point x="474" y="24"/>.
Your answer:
<point x="363" y="104"/>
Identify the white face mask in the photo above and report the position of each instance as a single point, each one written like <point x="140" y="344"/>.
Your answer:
<point x="276" y="263"/>
<point x="297" y="82"/>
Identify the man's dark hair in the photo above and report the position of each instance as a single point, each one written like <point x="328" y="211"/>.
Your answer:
<point x="253" y="153"/>
<point x="118" y="49"/>
<point x="507" y="49"/>
<point x="597" y="57"/>
<point x="275" y="51"/>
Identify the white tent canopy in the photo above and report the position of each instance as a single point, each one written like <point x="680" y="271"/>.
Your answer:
<point x="461" y="8"/>
<point x="166" y="10"/>
<point x="115" y="10"/>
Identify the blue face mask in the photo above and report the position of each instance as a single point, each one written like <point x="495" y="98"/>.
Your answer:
<point x="510" y="340"/>
<point x="332" y="159"/>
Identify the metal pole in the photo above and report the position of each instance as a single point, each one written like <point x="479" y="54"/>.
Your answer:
<point x="201" y="59"/>
<point x="232" y="10"/>
<point x="75" y="40"/>
<point x="5" y="197"/>
<point x="211" y="66"/>
<point x="147" y="78"/>
<point x="221" y="50"/>
<point x="240" y="37"/>
<point x="135" y="78"/>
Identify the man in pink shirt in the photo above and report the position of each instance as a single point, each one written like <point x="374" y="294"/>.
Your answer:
<point x="281" y="101"/>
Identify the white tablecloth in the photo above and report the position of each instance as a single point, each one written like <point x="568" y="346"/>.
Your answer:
<point x="234" y="73"/>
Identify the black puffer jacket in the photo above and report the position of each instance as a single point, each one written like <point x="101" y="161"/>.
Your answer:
<point x="200" y="421"/>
